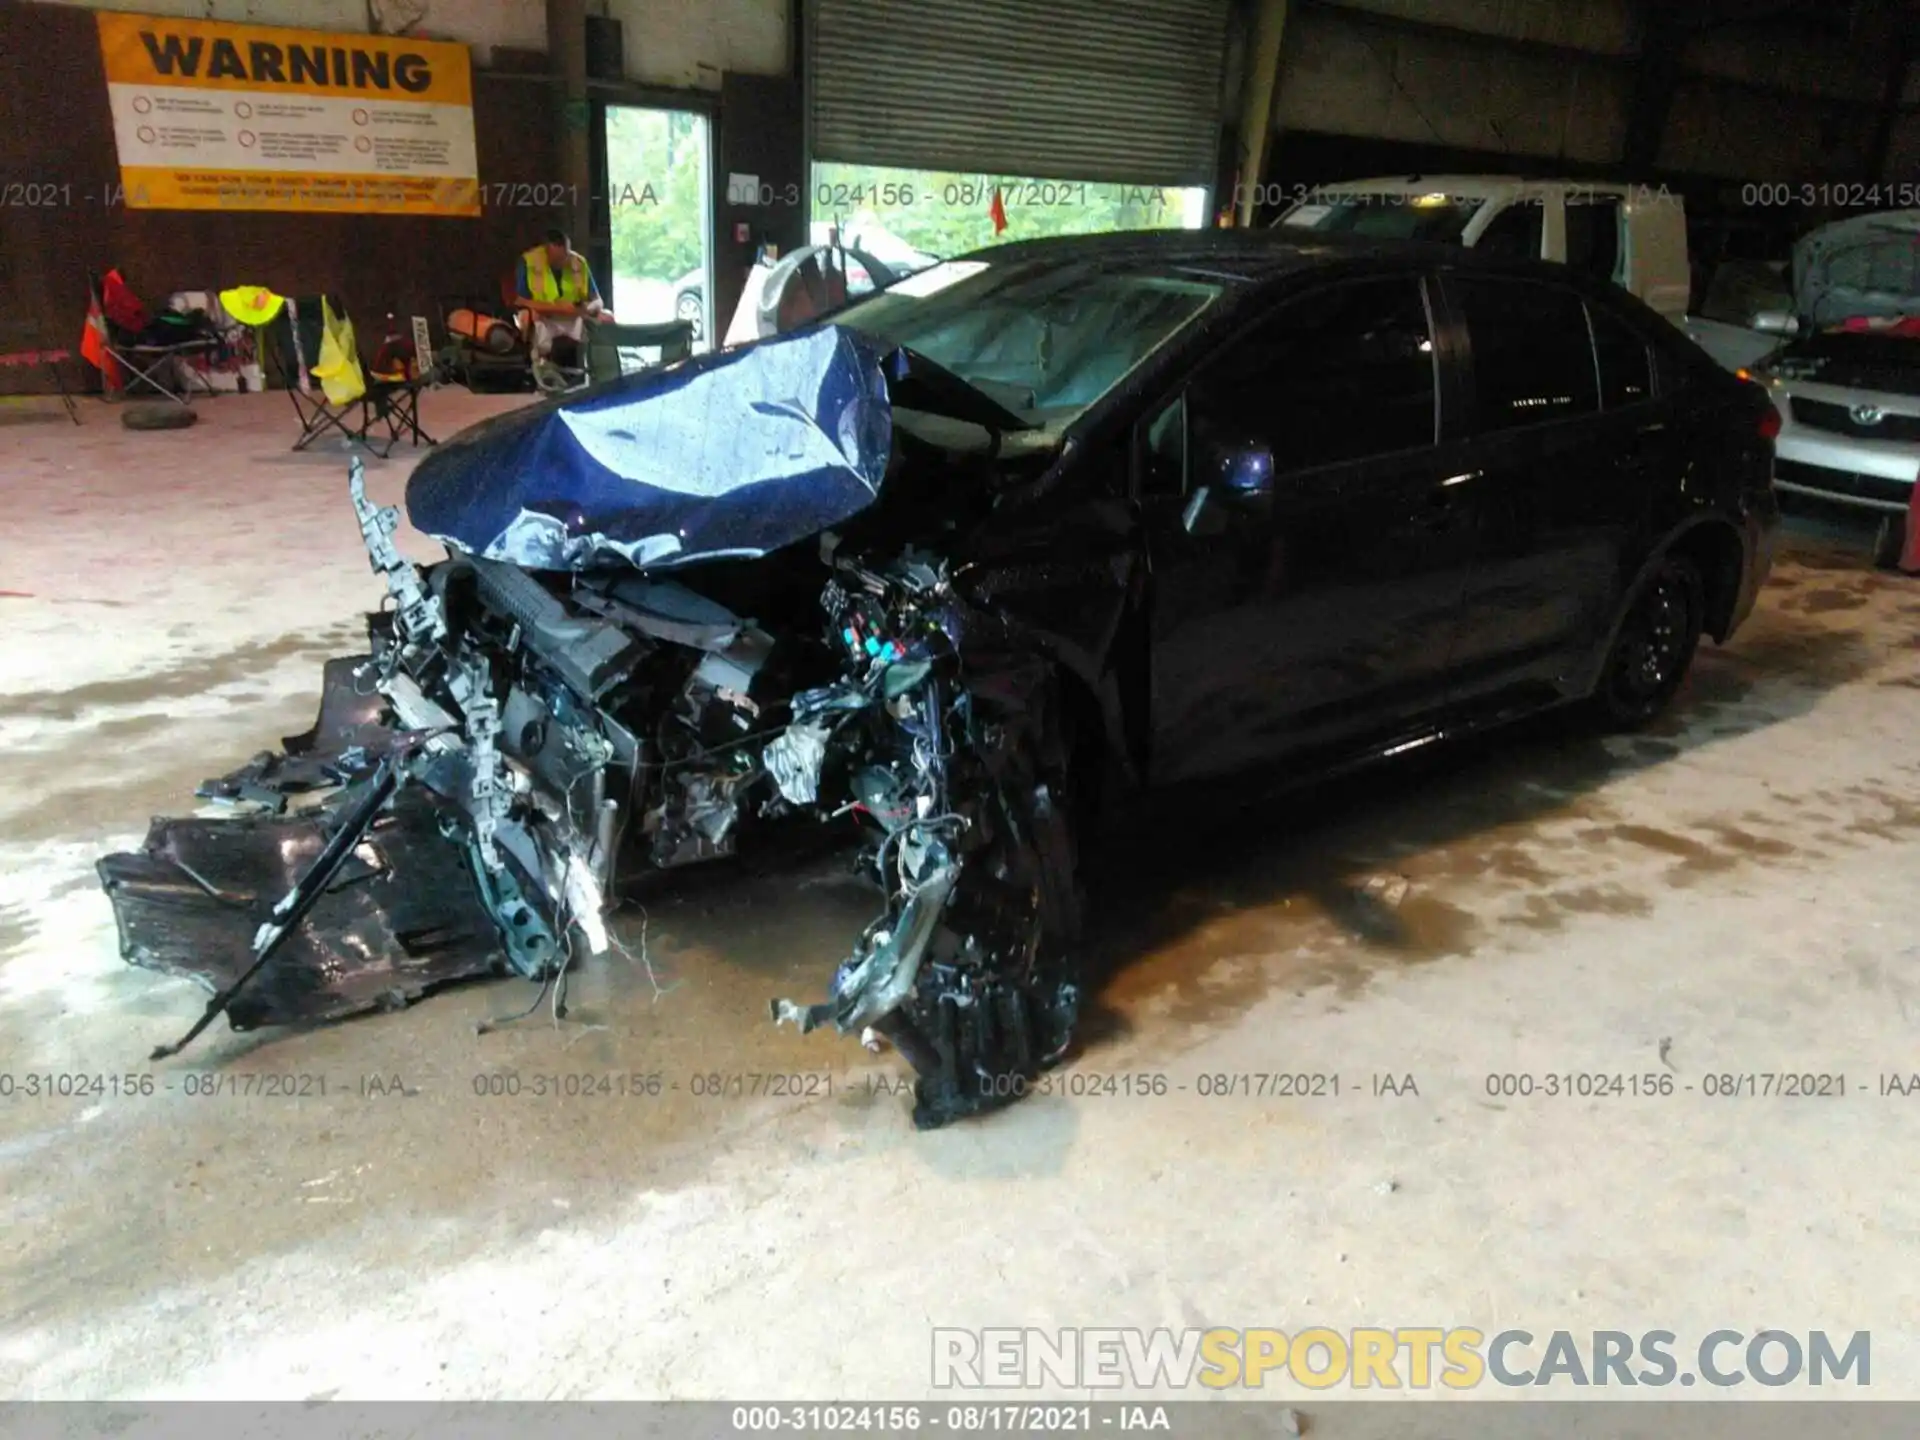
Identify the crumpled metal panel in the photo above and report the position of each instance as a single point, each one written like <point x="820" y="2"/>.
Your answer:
<point x="733" y="454"/>
<point x="402" y="917"/>
<point x="346" y="741"/>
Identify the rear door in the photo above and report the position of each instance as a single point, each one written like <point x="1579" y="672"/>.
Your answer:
<point x="1323" y="615"/>
<point x="1570" y="442"/>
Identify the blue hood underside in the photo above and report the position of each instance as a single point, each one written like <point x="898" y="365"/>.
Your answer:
<point x="730" y="455"/>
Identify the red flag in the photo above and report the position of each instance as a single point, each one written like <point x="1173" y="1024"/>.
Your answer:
<point x="93" y="338"/>
<point x="998" y="212"/>
<point x="93" y="347"/>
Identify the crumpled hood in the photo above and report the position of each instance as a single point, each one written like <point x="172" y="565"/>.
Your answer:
<point x="731" y="454"/>
<point x="1868" y="265"/>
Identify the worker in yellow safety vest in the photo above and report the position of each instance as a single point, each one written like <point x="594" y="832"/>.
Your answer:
<point x="555" y="286"/>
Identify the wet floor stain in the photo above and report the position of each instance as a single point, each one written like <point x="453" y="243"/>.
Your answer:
<point x="1745" y="844"/>
<point x="1697" y="859"/>
<point x="665" y="1049"/>
<point x="85" y="787"/>
<point x="195" y="678"/>
<point x="1329" y="891"/>
<point x="1664" y="841"/>
<point x="1830" y="602"/>
<point x="16" y="928"/>
<point x="1556" y="909"/>
<point x="132" y="727"/>
<point x="1897" y="818"/>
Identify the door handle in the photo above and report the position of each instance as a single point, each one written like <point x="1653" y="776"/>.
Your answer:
<point x="1443" y="498"/>
<point x="1444" y="495"/>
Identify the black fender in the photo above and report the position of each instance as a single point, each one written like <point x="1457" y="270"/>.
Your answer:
<point x="1685" y="537"/>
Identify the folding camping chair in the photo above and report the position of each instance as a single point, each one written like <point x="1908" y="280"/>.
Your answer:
<point x="313" y="348"/>
<point x="18" y="347"/>
<point x="148" y="348"/>
<point x="614" y="350"/>
<point x="559" y="377"/>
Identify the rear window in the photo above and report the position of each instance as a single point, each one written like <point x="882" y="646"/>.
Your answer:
<point x="1532" y="356"/>
<point x="1387" y="217"/>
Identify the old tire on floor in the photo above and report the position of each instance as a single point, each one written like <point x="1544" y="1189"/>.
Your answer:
<point x="1655" y="645"/>
<point x="161" y="415"/>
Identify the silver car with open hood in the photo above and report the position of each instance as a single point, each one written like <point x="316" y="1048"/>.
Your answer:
<point x="1848" y="385"/>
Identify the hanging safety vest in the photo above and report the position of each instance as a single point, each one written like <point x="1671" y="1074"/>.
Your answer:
<point x="572" y="286"/>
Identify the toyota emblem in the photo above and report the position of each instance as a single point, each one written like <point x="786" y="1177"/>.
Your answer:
<point x="1867" y="414"/>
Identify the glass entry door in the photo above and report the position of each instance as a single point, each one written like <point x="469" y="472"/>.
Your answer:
<point x="659" y="174"/>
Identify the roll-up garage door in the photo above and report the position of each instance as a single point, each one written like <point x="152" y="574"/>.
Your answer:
<point x="1126" y="91"/>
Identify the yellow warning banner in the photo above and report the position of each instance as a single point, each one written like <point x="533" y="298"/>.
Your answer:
<point x="208" y="115"/>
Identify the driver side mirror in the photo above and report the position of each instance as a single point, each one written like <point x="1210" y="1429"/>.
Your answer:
<point x="1239" y="480"/>
<point x="1776" y="322"/>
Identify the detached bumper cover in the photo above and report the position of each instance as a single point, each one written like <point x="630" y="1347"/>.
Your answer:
<point x="400" y="919"/>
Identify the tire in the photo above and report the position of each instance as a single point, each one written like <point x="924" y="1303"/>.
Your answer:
<point x="1890" y="542"/>
<point x="1654" y="646"/>
<point x="158" y="416"/>
<point x="687" y="306"/>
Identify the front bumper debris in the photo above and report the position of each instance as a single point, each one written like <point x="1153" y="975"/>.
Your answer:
<point x="510" y="754"/>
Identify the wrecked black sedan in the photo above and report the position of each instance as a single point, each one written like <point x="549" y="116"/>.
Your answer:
<point x="951" y="570"/>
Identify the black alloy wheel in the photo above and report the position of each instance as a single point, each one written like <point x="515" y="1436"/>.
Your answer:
<point x="1656" y="644"/>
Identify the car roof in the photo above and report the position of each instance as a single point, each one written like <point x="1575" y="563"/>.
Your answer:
<point x="1248" y="257"/>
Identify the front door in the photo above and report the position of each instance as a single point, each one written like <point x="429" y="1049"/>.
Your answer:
<point x="1308" y="597"/>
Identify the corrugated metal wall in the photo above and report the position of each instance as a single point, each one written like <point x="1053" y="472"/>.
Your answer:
<point x="1757" y="97"/>
<point x="1116" y="90"/>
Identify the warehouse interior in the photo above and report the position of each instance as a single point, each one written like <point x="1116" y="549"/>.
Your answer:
<point x="1316" y="1078"/>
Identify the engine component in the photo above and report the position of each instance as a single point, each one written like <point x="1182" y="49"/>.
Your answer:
<point x="590" y="655"/>
<point x="793" y="759"/>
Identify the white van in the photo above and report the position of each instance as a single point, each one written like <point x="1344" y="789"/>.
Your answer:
<point x="1634" y="235"/>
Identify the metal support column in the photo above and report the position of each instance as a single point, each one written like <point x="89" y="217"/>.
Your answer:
<point x="1256" y="116"/>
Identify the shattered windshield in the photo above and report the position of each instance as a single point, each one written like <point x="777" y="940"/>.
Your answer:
<point x="1045" y="342"/>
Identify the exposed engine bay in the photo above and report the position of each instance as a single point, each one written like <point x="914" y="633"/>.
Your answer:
<point x="519" y="748"/>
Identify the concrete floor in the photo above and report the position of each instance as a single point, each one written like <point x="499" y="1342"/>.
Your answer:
<point x="1734" y="892"/>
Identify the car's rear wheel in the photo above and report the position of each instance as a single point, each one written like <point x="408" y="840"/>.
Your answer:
<point x="1890" y="541"/>
<point x="690" y="307"/>
<point x="1655" y="645"/>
